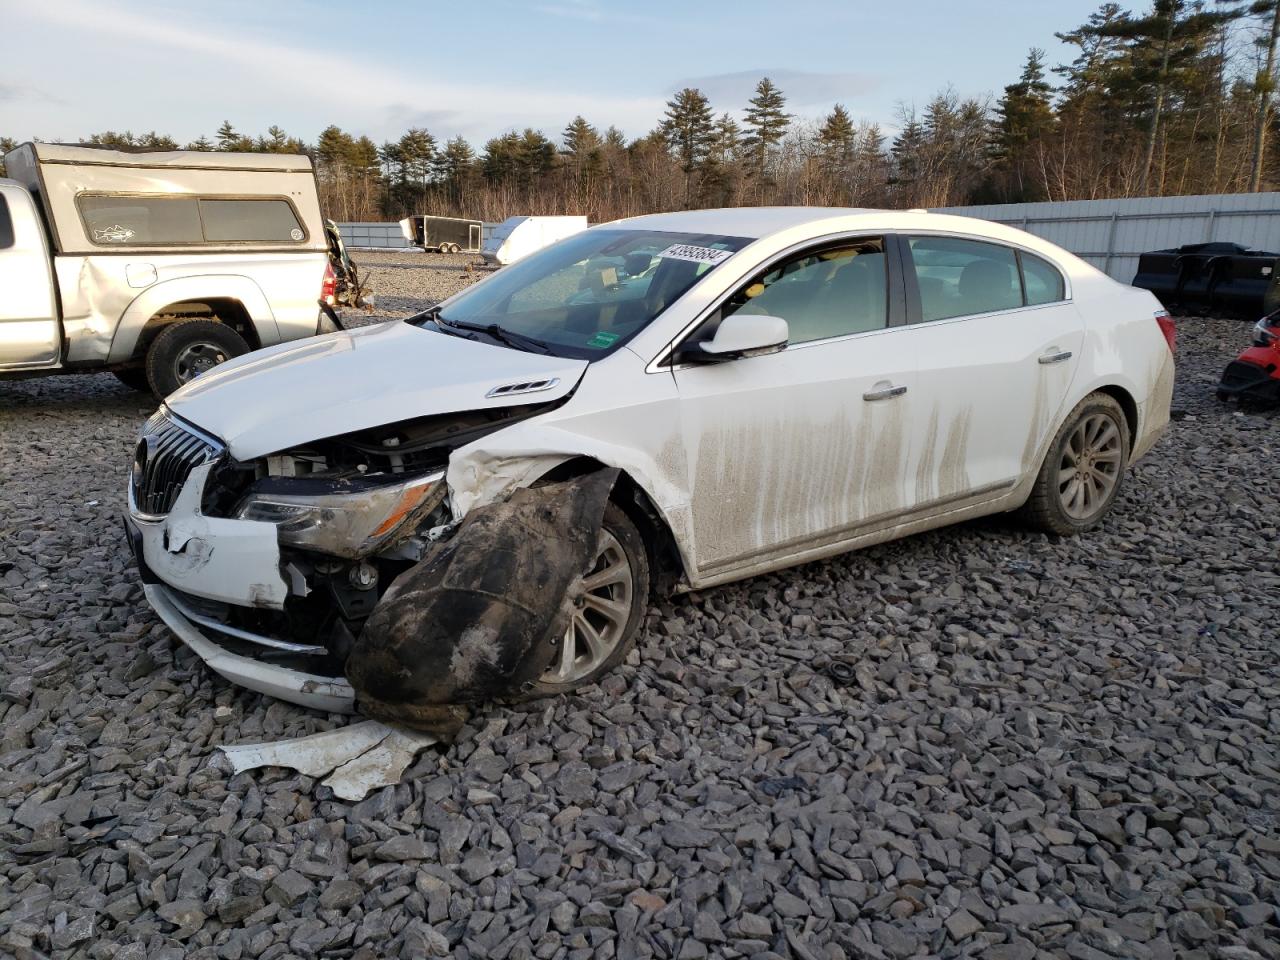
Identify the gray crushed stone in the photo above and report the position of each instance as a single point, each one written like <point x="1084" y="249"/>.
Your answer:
<point x="1050" y="748"/>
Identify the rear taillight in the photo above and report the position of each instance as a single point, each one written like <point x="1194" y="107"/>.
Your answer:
<point x="1167" y="328"/>
<point x="329" y="286"/>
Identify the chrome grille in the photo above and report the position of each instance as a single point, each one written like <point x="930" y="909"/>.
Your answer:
<point x="167" y="452"/>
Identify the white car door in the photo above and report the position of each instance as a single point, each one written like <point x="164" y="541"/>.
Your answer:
<point x="996" y="342"/>
<point x="30" y="335"/>
<point x="792" y="451"/>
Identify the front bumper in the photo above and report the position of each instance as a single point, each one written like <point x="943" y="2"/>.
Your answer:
<point x="332" y="694"/>
<point x="1250" y="381"/>
<point x="318" y="692"/>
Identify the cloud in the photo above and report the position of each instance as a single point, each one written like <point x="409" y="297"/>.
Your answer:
<point x="574" y="10"/>
<point x="10" y="92"/>
<point x="800" y="87"/>
<point x="589" y="11"/>
<point x="249" y="69"/>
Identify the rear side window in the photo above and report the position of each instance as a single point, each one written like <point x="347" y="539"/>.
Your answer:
<point x="141" y="221"/>
<point x="957" y="278"/>
<point x="156" y="221"/>
<point x="1042" y="281"/>
<point x="6" y="225"/>
<point x="244" y="221"/>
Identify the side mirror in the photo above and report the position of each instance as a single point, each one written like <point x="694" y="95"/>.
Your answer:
<point x="740" y="335"/>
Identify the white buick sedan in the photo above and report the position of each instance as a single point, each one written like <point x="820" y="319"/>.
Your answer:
<point x="479" y="500"/>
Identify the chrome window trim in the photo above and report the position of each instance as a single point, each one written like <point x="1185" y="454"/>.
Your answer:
<point x="655" y="365"/>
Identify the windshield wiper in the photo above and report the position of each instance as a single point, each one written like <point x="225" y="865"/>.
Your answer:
<point x="512" y="339"/>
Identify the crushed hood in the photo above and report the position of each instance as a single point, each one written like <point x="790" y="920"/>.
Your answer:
<point x="325" y="386"/>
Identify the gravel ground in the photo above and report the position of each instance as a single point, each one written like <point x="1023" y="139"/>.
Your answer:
<point x="1048" y="747"/>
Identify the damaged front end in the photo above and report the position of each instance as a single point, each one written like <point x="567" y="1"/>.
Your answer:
<point x="353" y="579"/>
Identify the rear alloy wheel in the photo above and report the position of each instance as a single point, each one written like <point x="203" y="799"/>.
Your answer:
<point x="185" y="349"/>
<point x="1083" y="469"/>
<point x="609" y="604"/>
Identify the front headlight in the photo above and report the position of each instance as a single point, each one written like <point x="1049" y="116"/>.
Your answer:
<point x="1264" y="334"/>
<point x="350" y="523"/>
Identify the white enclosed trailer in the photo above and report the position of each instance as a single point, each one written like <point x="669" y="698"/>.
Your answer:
<point x="517" y="237"/>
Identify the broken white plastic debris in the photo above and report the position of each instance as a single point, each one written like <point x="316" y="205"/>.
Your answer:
<point x="385" y="764"/>
<point x="362" y="757"/>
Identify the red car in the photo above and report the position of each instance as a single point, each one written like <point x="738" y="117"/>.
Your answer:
<point x="1255" y="374"/>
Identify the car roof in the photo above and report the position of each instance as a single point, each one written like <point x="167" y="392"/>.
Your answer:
<point x="753" y="222"/>
<point x="758" y="223"/>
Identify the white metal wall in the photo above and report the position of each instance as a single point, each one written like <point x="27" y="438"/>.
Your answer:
<point x="385" y="236"/>
<point x="1111" y="234"/>
<point x="373" y="236"/>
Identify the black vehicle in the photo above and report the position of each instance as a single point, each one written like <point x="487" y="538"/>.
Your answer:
<point x="443" y="234"/>
<point x="1218" y="278"/>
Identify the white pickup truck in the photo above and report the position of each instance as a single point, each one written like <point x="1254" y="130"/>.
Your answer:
<point x="155" y="266"/>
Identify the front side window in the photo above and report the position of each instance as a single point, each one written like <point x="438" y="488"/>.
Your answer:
<point x="155" y="221"/>
<point x="590" y="293"/>
<point x="958" y="278"/>
<point x="833" y="292"/>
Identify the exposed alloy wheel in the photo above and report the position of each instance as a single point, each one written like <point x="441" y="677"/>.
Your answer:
<point x="1083" y="470"/>
<point x="1089" y="468"/>
<point x="185" y="349"/>
<point x="609" y="604"/>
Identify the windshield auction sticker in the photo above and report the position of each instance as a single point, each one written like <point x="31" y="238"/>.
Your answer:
<point x="603" y="339"/>
<point x="686" y="251"/>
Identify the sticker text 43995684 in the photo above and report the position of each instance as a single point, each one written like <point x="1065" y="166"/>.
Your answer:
<point x="687" y="251"/>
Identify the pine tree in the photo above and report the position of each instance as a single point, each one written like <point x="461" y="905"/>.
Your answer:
<point x="1159" y="53"/>
<point x="838" y="136"/>
<point x="535" y="156"/>
<point x="1264" y="85"/>
<point x="726" y="140"/>
<point x="580" y="139"/>
<point x="687" y="128"/>
<point x="229" y="139"/>
<point x="766" y="121"/>
<point x="417" y="150"/>
<point x="1024" y="117"/>
<point x="455" y="167"/>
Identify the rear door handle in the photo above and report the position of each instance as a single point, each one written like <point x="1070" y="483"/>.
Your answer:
<point x="884" y="393"/>
<point x="1055" y="357"/>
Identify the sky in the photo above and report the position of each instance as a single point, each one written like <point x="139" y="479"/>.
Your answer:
<point x="478" y="69"/>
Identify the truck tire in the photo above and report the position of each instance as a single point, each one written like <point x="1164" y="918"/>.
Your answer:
<point x="187" y="348"/>
<point x="135" y="378"/>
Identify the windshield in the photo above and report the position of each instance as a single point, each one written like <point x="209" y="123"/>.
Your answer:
<point x="589" y="294"/>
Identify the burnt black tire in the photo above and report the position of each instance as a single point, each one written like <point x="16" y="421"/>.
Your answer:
<point x="1083" y="469"/>
<point x="135" y="378"/>
<point x="186" y="348"/>
<point x="620" y="538"/>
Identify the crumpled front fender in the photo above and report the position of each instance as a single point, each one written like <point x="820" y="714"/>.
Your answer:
<point x="482" y="615"/>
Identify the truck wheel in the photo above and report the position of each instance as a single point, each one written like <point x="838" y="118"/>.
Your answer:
<point x="188" y="348"/>
<point x="135" y="378"/>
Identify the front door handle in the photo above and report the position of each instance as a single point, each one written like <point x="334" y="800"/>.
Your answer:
<point x="1055" y="357"/>
<point x="885" y="392"/>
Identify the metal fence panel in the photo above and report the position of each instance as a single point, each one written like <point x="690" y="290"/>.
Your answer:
<point x="385" y="236"/>
<point x="1111" y="234"/>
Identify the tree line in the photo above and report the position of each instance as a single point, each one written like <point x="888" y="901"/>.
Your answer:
<point x="1177" y="98"/>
